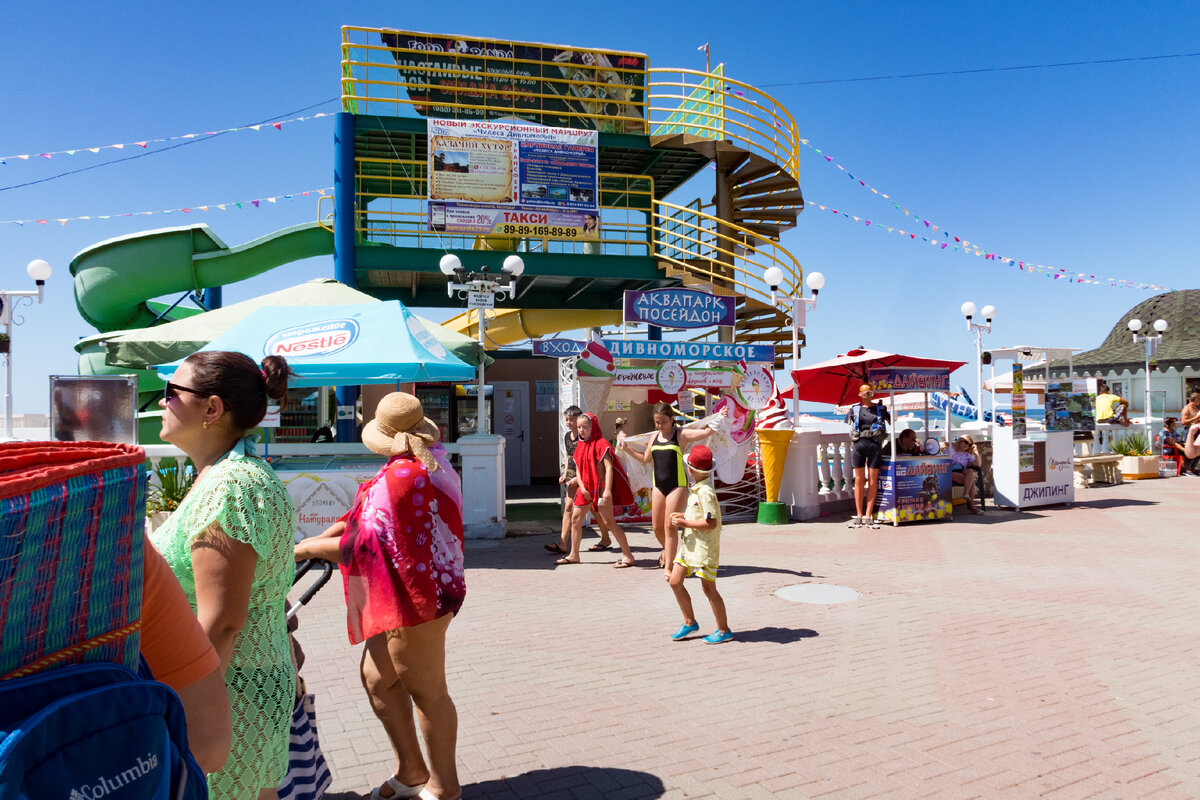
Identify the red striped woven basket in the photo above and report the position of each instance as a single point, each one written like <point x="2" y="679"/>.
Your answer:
<point x="72" y="517"/>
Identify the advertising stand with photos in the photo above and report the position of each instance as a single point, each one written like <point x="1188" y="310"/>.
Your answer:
<point x="1032" y="467"/>
<point x="913" y="487"/>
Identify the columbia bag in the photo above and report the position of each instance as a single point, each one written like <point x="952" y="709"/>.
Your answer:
<point x="77" y="722"/>
<point x="94" y="731"/>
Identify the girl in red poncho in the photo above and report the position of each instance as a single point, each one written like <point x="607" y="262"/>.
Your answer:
<point x="602" y="484"/>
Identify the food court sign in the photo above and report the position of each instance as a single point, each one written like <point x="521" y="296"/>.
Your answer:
<point x="679" y="308"/>
<point x="904" y="379"/>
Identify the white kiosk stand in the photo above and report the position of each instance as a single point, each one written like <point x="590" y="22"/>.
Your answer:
<point x="1037" y="467"/>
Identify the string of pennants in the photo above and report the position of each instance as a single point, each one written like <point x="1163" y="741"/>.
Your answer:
<point x="949" y="241"/>
<point x="145" y="143"/>
<point x="235" y="205"/>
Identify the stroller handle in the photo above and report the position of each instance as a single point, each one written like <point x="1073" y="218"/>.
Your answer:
<point x="302" y="568"/>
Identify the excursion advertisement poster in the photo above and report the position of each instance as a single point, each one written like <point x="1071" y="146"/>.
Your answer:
<point x="1018" y="401"/>
<point x="445" y="76"/>
<point x="506" y="179"/>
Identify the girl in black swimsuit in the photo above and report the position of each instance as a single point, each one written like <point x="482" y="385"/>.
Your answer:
<point x="669" y="492"/>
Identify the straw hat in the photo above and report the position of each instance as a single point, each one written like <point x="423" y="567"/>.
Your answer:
<point x="400" y="426"/>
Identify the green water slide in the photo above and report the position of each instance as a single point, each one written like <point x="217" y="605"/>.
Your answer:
<point x="116" y="279"/>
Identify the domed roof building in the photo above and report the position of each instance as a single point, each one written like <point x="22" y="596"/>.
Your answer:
<point x="1175" y="366"/>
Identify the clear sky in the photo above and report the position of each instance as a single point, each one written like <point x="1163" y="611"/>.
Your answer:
<point x="1091" y="167"/>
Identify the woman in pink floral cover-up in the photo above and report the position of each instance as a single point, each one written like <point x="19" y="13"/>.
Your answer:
<point x="401" y="553"/>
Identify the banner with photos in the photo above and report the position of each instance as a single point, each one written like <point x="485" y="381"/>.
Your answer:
<point x="505" y="179"/>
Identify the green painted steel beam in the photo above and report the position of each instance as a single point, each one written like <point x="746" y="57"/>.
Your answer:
<point x="575" y="265"/>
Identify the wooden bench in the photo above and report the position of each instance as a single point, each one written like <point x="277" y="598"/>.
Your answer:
<point x="1101" y="468"/>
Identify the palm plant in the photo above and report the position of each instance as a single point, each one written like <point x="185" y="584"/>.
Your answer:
<point x="1133" y="443"/>
<point x="173" y="484"/>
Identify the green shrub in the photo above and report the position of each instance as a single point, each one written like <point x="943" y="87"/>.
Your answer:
<point x="1133" y="443"/>
<point x="173" y="485"/>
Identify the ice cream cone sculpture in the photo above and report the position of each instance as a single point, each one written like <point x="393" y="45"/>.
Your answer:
<point x="594" y="393"/>
<point x="595" y="370"/>
<point x="773" y="443"/>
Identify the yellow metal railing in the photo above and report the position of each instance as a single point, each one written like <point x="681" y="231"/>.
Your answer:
<point x="723" y="253"/>
<point x="733" y="111"/>
<point x="378" y="79"/>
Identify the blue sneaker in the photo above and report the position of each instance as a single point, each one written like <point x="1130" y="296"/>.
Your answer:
<point x="685" y="630"/>
<point x="718" y="637"/>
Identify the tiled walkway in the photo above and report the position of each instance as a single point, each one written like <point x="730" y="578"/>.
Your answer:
<point x="1054" y="654"/>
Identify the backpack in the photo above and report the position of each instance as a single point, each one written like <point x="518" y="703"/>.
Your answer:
<point x="94" y="731"/>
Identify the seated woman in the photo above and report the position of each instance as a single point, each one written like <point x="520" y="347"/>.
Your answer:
<point x="965" y="470"/>
<point x="906" y="443"/>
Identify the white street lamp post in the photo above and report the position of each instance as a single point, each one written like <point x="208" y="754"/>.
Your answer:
<point x="39" y="271"/>
<point x="1151" y="343"/>
<point x="989" y="312"/>
<point x="480" y="289"/>
<point x="799" y="308"/>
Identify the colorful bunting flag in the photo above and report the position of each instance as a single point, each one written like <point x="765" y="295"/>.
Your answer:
<point x="145" y="143"/>
<point x="20" y="223"/>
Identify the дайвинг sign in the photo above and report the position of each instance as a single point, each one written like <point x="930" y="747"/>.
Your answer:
<point x="679" y="308"/>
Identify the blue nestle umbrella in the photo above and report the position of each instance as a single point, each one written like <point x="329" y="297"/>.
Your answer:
<point x="342" y="345"/>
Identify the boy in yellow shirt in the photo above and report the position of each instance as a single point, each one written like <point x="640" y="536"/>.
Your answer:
<point x="699" y="548"/>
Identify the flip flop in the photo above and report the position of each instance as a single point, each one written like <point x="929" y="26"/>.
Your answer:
<point x="565" y="561"/>
<point x="555" y="548"/>
<point x="399" y="790"/>
<point x="600" y="548"/>
<point x="623" y="564"/>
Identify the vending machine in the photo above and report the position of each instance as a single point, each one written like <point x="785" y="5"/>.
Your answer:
<point x="453" y="407"/>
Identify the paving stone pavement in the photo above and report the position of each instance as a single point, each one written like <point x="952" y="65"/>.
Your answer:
<point x="1052" y="653"/>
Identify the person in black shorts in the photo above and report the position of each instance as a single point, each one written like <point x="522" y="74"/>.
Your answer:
<point x="868" y="430"/>
<point x="568" y="479"/>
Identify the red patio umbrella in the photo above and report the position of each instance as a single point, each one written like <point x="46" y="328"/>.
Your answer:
<point x="836" y="381"/>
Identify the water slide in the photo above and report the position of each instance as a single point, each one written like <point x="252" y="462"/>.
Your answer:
<point x="115" y="279"/>
<point x="511" y="325"/>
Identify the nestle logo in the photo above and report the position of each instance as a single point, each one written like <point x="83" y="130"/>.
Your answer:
<point x="320" y="339"/>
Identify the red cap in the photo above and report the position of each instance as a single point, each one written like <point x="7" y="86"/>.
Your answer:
<point x="700" y="458"/>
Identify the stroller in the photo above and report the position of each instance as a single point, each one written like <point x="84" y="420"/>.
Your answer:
<point x="308" y="775"/>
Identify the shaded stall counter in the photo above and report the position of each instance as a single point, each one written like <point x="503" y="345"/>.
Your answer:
<point x="323" y="489"/>
<point x="913" y="488"/>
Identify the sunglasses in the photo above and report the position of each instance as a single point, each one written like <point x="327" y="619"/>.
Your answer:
<point x="173" y="389"/>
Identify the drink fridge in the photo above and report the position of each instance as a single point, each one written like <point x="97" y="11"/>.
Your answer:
<point x="453" y="407"/>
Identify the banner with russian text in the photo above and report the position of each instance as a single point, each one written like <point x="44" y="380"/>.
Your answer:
<point x="504" y="179"/>
<point x="445" y="76"/>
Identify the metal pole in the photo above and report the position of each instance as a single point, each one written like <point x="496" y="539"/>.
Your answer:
<point x="979" y="376"/>
<point x="1146" y="411"/>
<point x="482" y="359"/>
<point x="8" y="397"/>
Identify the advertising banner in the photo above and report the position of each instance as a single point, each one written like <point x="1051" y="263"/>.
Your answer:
<point x="904" y="379"/>
<point x="915" y="489"/>
<point x="1070" y="405"/>
<point x="1018" y="401"/>
<point x="602" y="90"/>
<point x="512" y="180"/>
<point x="679" y="308"/>
<point x="690" y="351"/>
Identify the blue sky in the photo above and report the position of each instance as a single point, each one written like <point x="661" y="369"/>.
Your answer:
<point x="1090" y="168"/>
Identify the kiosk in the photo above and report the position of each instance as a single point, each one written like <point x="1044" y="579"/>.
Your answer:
<point x="1036" y="467"/>
<point x="913" y="488"/>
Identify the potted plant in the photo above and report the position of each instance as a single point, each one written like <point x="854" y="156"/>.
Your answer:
<point x="1137" y="461"/>
<point x="164" y="494"/>
<point x="3" y="342"/>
